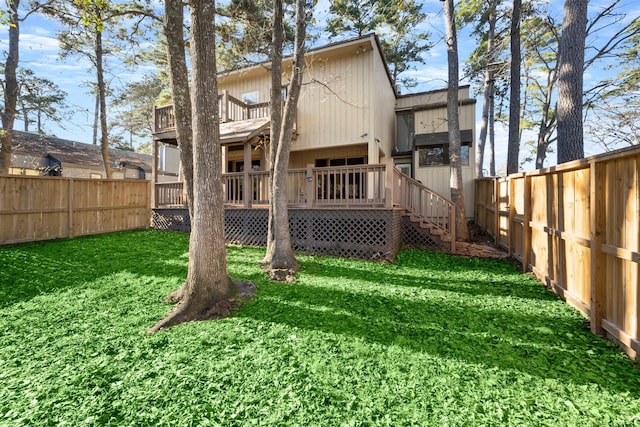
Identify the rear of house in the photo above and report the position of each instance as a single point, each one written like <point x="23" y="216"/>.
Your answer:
<point x="349" y="115"/>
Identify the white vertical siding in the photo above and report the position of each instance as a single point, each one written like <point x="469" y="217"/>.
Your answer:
<point x="337" y="98"/>
<point x="384" y="116"/>
<point x="335" y="103"/>
<point x="437" y="178"/>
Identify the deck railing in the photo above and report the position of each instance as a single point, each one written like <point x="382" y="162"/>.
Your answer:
<point x="169" y="194"/>
<point x="164" y="119"/>
<point x="334" y="187"/>
<point x="343" y="186"/>
<point x="231" y="109"/>
<point x="350" y="185"/>
<point x="425" y="205"/>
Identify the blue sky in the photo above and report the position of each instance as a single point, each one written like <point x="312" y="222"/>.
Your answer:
<point x="39" y="52"/>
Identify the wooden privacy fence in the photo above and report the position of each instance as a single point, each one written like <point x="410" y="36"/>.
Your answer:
<point x="577" y="227"/>
<point x="42" y="208"/>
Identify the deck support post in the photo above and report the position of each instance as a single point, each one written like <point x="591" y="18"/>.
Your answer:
<point x="389" y="184"/>
<point x="154" y="173"/>
<point x="247" y="188"/>
<point x="224" y="107"/>
<point x="309" y="187"/>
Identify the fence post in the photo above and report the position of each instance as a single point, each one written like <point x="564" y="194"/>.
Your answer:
<point x="496" y="207"/>
<point x="598" y="237"/>
<point x="511" y="181"/>
<point x="309" y="186"/>
<point x="70" y="208"/>
<point x="526" y="255"/>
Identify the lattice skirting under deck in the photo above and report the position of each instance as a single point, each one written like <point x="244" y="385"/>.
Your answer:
<point x="363" y="234"/>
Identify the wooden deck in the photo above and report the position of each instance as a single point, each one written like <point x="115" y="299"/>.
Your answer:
<point x="361" y="187"/>
<point x="336" y="187"/>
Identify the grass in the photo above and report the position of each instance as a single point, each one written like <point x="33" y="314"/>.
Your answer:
<point x="429" y="340"/>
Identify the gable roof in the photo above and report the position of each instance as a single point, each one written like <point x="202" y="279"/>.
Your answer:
<point x="73" y="152"/>
<point x="348" y="46"/>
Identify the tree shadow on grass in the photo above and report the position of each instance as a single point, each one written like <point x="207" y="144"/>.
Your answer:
<point x="468" y="276"/>
<point x="33" y="269"/>
<point x="491" y="334"/>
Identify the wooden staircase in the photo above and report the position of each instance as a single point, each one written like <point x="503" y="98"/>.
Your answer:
<point x="428" y="212"/>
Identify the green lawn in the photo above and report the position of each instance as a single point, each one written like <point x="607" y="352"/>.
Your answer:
<point x="430" y="340"/>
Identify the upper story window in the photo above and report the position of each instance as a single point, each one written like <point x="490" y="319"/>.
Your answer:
<point x="250" y="97"/>
<point x="433" y="148"/>
<point x="438" y="155"/>
<point x="284" y="91"/>
<point x="405" y="132"/>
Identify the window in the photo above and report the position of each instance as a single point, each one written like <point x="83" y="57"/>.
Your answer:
<point x="405" y="131"/>
<point x="405" y="166"/>
<point x="340" y="161"/>
<point x="284" y="91"/>
<point x="250" y="97"/>
<point x="438" y="155"/>
<point x="342" y="184"/>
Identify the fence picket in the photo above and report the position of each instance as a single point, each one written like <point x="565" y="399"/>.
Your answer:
<point x="37" y="208"/>
<point x="579" y="232"/>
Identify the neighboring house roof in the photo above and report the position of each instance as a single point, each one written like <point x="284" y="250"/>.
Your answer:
<point x="35" y="146"/>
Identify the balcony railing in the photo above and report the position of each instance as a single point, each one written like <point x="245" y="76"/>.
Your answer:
<point x="230" y="109"/>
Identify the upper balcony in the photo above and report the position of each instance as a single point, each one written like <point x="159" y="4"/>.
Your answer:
<point x="231" y="110"/>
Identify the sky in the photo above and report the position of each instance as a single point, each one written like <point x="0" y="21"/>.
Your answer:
<point x="39" y="52"/>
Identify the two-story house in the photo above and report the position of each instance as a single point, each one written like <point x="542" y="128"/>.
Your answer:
<point x="354" y="136"/>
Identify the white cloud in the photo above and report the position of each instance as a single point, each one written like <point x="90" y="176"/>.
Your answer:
<point x="38" y="43"/>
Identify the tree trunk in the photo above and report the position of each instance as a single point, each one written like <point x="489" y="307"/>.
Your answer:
<point x="488" y="91"/>
<point x="25" y="116"/>
<point x="483" y="127"/>
<point x="208" y="292"/>
<point x="570" y="81"/>
<point x="102" y="96"/>
<point x="173" y="30"/>
<point x="11" y="88"/>
<point x="453" y="119"/>
<point x="96" y="119"/>
<point x="492" y="137"/>
<point x="280" y="261"/>
<point x="513" y="145"/>
<point x="548" y="120"/>
<point x="277" y="41"/>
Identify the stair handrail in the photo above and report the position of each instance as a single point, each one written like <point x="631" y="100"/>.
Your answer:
<point x="425" y="205"/>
